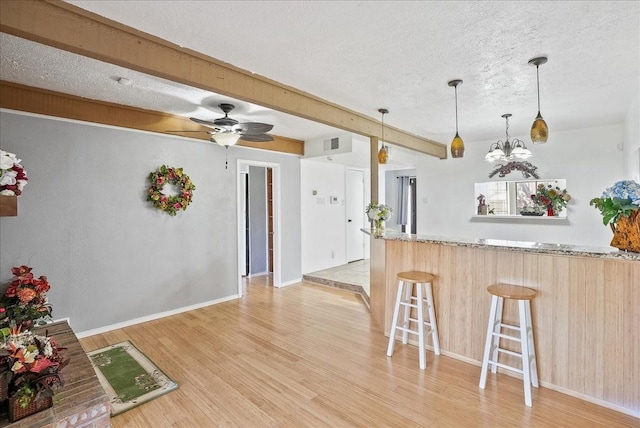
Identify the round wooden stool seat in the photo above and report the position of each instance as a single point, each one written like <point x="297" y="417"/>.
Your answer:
<point x="508" y="291"/>
<point x="415" y="277"/>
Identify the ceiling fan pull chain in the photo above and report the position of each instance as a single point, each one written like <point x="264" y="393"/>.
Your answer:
<point x="226" y="161"/>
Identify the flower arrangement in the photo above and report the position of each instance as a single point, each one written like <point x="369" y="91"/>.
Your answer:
<point x="619" y="200"/>
<point x="551" y="197"/>
<point x="24" y="301"/>
<point x="34" y="362"/>
<point x="378" y="213"/>
<point x="170" y="204"/>
<point x="13" y="177"/>
<point x="620" y="209"/>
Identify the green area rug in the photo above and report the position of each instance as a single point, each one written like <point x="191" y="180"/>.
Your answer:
<point x="128" y="376"/>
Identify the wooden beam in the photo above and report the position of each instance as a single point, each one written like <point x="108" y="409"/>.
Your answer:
<point x="50" y="103"/>
<point x="68" y="27"/>
<point x="373" y="166"/>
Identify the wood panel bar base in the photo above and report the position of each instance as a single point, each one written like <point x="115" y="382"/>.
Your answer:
<point x="415" y="293"/>
<point x="492" y="348"/>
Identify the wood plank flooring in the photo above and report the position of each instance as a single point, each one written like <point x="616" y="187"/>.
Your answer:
<point x="311" y="356"/>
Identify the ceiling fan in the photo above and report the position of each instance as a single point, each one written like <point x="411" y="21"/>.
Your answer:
<point x="227" y="131"/>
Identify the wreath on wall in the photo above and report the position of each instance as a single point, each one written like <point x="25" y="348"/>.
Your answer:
<point x="175" y="176"/>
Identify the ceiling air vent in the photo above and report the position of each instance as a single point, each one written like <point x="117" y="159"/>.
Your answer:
<point x="332" y="144"/>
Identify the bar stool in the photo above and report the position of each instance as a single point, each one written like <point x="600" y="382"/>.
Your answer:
<point x="421" y="282"/>
<point x="492" y="347"/>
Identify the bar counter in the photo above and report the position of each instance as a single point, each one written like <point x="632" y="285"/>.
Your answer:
<point x="586" y="316"/>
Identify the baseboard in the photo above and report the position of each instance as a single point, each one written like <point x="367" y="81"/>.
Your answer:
<point x="153" y="317"/>
<point x="288" y="283"/>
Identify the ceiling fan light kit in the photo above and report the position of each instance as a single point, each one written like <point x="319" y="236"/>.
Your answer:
<point x="457" y="145"/>
<point x="539" y="129"/>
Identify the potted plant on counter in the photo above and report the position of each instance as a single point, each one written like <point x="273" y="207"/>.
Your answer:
<point x="24" y="303"/>
<point x="620" y="209"/>
<point x="377" y="214"/>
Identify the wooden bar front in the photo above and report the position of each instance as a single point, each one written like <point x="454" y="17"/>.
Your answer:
<point x="586" y="316"/>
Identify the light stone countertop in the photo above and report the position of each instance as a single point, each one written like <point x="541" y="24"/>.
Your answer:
<point x="499" y="244"/>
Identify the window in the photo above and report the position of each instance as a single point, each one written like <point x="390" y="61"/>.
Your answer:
<point x="510" y="197"/>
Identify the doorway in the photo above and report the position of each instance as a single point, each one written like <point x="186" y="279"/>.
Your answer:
<point x="258" y="220"/>
<point x="354" y="207"/>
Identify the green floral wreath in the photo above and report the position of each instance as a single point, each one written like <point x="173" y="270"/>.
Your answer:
<point x="170" y="204"/>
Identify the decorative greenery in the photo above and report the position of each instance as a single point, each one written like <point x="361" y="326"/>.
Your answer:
<point x="25" y="300"/>
<point x="617" y="201"/>
<point x="170" y="204"/>
<point x="13" y="177"/>
<point x="34" y="362"/>
<point x="551" y="197"/>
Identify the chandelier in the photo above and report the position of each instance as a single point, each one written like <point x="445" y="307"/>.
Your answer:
<point x="507" y="150"/>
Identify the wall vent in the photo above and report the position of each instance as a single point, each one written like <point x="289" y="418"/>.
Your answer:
<point x="332" y="144"/>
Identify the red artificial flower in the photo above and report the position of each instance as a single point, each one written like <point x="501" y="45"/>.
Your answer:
<point x="26" y="295"/>
<point x="177" y="205"/>
<point x="160" y="180"/>
<point x="20" y="270"/>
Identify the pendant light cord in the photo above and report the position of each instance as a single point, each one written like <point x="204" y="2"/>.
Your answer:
<point x="456" y="90"/>
<point x="538" y="81"/>
<point x="383" y="130"/>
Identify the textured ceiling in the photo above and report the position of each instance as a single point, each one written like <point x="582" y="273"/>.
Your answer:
<point x="367" y="55"/>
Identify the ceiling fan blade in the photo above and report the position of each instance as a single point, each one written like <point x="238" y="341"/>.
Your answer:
<point x="208" y="132"/>
<point x="253" y="127"/>
<point x="256" y="138"/>
<point x="204" y="122"/>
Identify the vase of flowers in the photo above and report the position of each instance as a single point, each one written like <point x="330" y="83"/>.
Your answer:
<point x="378" y="214"/>
<point x="620" y="209"/>
<point x="551" y="198"/>
<point x="34" y="364"/>
<point x="24" y="303"/>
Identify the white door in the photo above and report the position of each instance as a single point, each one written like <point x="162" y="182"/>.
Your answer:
<point x="354" y="202"/>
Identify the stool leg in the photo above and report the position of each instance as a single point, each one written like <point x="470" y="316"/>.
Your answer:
<point x="421" y="347"/>
<point x="488" y="341"/>
<point x="532" y="348"/>
<point x="526" y="368"/>
<point x="432" y="319"/>
<point x="496" y="331"/>
<point x="394" y="323"/>
<point x="408" y="292"/>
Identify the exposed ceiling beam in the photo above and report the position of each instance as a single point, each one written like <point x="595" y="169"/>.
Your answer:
<point x="50" y="103"/>
<point x="68" y="27"/>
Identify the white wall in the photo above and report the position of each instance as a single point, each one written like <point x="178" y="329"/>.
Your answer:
<point x="323" y="224"/>
<point x="632" y="142"/>
<point x="590" y="160"/>
<point x="83" y="220"/>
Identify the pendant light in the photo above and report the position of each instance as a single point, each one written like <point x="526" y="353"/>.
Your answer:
<point x="457" y="145"/>
<point x="383" y="154"/>
<point x="539" y="129"/>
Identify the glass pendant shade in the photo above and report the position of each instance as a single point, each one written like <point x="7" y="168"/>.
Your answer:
<point x="383" y="155"/>
<point x="539" y="130"/>
<point x="226" y="138"/>
<point x="457" y="147"/>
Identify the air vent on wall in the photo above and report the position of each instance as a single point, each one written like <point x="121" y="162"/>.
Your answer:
<point x="332" y="144"/>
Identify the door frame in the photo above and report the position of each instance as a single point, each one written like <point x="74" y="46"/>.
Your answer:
<point x="275" y="167"/>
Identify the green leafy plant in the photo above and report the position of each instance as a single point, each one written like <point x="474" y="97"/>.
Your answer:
<point x="619" y="200"/>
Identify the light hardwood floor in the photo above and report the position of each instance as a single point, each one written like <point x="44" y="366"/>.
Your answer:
<point x="311" y="356"/>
